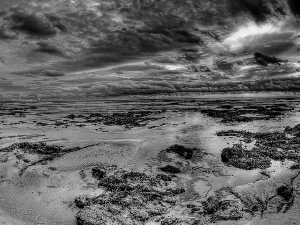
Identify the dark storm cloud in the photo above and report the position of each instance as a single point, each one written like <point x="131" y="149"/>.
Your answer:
<point x="112" y="31"/>
<point x="52" y="73"/>
<point x="145" y="27"/>
<point x="46" y="47"/>
<point x="131" y="42"/>
<point x="260" y="10"/>
<point x="295" y="7"/>
<point x="31" y="23"/>
<point x="152" y="26"/>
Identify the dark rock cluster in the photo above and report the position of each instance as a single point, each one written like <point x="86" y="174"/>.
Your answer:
<point x="229" y="115"/>
<point x="295" y="166"/>
<point x="127" y="119"/>
<point x="217" y="208"/>
<point x="244" y="159"/>
<point x="98" y="173"/>
<point x="34" y="148"/>
<point x="182" y="151"/>
<point x="130" y="198"/>
<point x="286" y="192"/>
<point x="268" y="146"/>
<point x="222" y="209"/>
<point x="170" y="169"/>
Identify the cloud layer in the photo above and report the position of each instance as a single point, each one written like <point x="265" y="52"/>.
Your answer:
<point x="197" y="45"/>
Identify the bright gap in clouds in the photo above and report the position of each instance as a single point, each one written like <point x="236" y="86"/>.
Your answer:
<point x="249" y="33"/>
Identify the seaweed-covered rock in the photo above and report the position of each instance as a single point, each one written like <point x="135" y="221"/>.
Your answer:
<point x="127" y="119"/>
<point x="244" y="159"/>
<point x="82" y="201"/>
<point x="130" y="198"/>
<point x="139" y="215"/>
<point x="228" y="210"/>
<point x="286" y="192"/>
<point x="98" y="173"/>
<point x="292" y="130"/>
<point x="230" y="114"/>
<point x="179" y="221"/>
<point x="187" y="153"/>
<point x="98" y="215"/>
<point x="71" y="116"/>
<point x="222" y="209"/>
<point x="170" y="169"/>
<point x="164" y="177"/>
<point x="295" y="166"/>
<point x="36" y="148"/>
<point x="268" y="146"/>
<point x="135" y="176"/>
<point x="114" y="183"/>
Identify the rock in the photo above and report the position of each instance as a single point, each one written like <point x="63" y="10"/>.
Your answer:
<point x="127" y="119"/>
<point x="113" y="183"/>
<point x="286" y="192"/>
<point x="139" y="215"/>
<point x="196" y="207"/>
<point x="98" y="173"/>
<point x="71" y="116"/>
<point x="176" y="191"/>
<point x="265" y="60"/>
<point x="268" y="146"/>
<point x="163" y="177"/>
<point x="179" y="221"/>
<point x="295" y="166"/>
<point x="230" y="114"/>
<point x="226" y="107"/>
<point x="97" y="215"/>
<point x="35" y="147"/>
<point x="130" y="198"/>
<point x="228" y="210"/>
<point x="170" y="169"/>
<point x="82" y="201"/>
<point x="244" y="159"/>
<point x="210" y="205"/>
<point x="293" y="130"/>
<point x="187" y="153"/>
<point x="170" y="200"/>
<point x="135" y="176"/>
<point x="222" y="209"/>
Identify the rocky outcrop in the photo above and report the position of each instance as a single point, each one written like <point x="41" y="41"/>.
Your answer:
<point x="98" y="173"/>
<point x="223" y="209"/>
<point x="130" y="198"/>
<point x="180" y="150"/>
<point x="35" y="148"/>
<point x="128" y="119"/>
<point x="247" y="113"/>
<point x="99" y="215"/>
<point x="268" y="146"/>
<point x="244" y="159"/>
<point x="170" y="169"/>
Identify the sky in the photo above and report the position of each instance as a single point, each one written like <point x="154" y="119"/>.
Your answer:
<point x="123" y="47"/>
